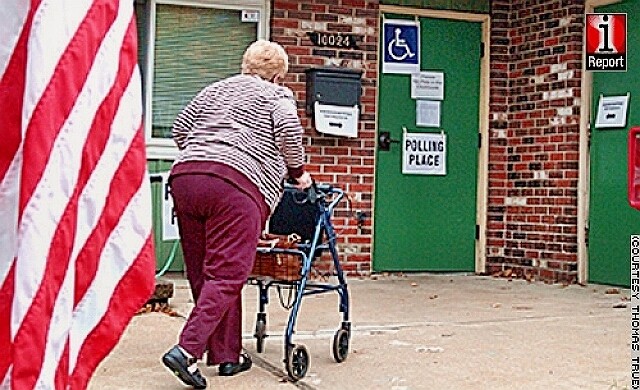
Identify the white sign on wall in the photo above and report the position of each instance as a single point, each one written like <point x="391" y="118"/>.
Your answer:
<point x="424" y="153"/>
<point x="169" y="222"/>
<point x="250" y="16"/>
<point x="612" y="111"/>
<point x="336" y="120"/>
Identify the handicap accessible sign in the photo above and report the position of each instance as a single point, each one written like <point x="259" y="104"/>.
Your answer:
<point x="401" y="46"/>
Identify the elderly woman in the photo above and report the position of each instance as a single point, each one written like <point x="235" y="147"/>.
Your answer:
<point x="238" y="139"/>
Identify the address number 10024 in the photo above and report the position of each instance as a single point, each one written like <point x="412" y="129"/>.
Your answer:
<point x="333" y="39"/>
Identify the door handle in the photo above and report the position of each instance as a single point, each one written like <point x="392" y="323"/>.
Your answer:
<point x="385" y="140"/>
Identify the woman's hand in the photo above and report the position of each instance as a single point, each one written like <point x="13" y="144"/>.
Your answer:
<point x="304" y="181"/>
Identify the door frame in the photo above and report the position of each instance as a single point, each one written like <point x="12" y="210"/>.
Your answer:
<point x="584" y="171"/>
<point x="483" y="114"/>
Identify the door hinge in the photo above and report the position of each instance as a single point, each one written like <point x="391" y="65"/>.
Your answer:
<point x="477" y="232"/>
<point x="481" y="49"/>
<point x="479" y="140"/>
<point x="586" y="236"/>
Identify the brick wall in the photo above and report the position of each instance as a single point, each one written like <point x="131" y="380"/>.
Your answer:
<point x="536" y="52"/>
<point x="346" y="162"/>
<point x="534" y="127"/>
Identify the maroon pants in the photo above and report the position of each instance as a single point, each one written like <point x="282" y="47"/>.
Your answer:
<point x="219" y="229"/>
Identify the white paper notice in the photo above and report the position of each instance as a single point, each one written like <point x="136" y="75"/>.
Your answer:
<point x="427" y="85"/>
<point x="336" y="120"/>
<point x="428" y="113"/>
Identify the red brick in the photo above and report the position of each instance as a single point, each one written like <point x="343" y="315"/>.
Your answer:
<point x="353" y="3"/>
<point x="286" y="5"/>
<point x="285" y="23"/>
<point x="316" y="8"/>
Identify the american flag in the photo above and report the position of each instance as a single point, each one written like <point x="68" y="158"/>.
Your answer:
<point x="76" y="251"/>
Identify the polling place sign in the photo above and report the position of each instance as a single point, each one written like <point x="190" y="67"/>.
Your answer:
<point x="424" y="153"/>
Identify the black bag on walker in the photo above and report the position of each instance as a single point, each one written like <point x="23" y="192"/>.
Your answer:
<point x="296" y="213"/>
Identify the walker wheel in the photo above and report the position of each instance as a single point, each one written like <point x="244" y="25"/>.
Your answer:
<point x="341" y="345"/>
<point x="297" y="362"/>
<point x="260" y="334"/>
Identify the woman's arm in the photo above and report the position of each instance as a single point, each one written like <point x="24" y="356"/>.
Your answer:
<point x="288" y="132"/>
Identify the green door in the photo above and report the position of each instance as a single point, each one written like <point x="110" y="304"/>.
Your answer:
<point x="428" y="222"/>
<point x="611" y="219"/>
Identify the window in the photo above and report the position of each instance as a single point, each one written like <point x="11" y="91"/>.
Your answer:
<point x="183" y="48"/>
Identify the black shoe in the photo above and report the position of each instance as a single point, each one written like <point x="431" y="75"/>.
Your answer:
<point x="229" y="369"/>
<point x="179" y="365"/>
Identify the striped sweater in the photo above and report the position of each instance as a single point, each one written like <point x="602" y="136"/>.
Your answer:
<point x="247" y="123"/>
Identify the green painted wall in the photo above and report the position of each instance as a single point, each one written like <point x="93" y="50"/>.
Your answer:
<point x="481" y="6"/>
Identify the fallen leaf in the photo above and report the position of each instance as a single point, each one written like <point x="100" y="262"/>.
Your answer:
<point x="158" y="307"/>
<point x="429" y="349"/>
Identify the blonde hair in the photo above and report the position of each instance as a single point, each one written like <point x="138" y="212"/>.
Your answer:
<point x="265" y="59"/>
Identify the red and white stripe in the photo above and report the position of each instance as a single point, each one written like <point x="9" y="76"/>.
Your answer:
<point x="76" y="186"/>
<point x="14" y="31"/>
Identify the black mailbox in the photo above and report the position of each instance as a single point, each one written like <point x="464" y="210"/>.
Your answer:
<point x="333" y="86"/>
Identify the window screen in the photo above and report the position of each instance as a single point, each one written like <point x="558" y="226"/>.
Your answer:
<point x="194" y="46"/>
<point x="142" y="16"/>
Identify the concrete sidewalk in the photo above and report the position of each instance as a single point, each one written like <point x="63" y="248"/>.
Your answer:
<point x="423" y="331"/>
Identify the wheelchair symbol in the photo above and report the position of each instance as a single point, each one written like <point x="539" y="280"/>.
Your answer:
<point x="398" y="48"/>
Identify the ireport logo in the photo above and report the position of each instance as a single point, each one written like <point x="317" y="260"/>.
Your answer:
<point x="606" y="36"/>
